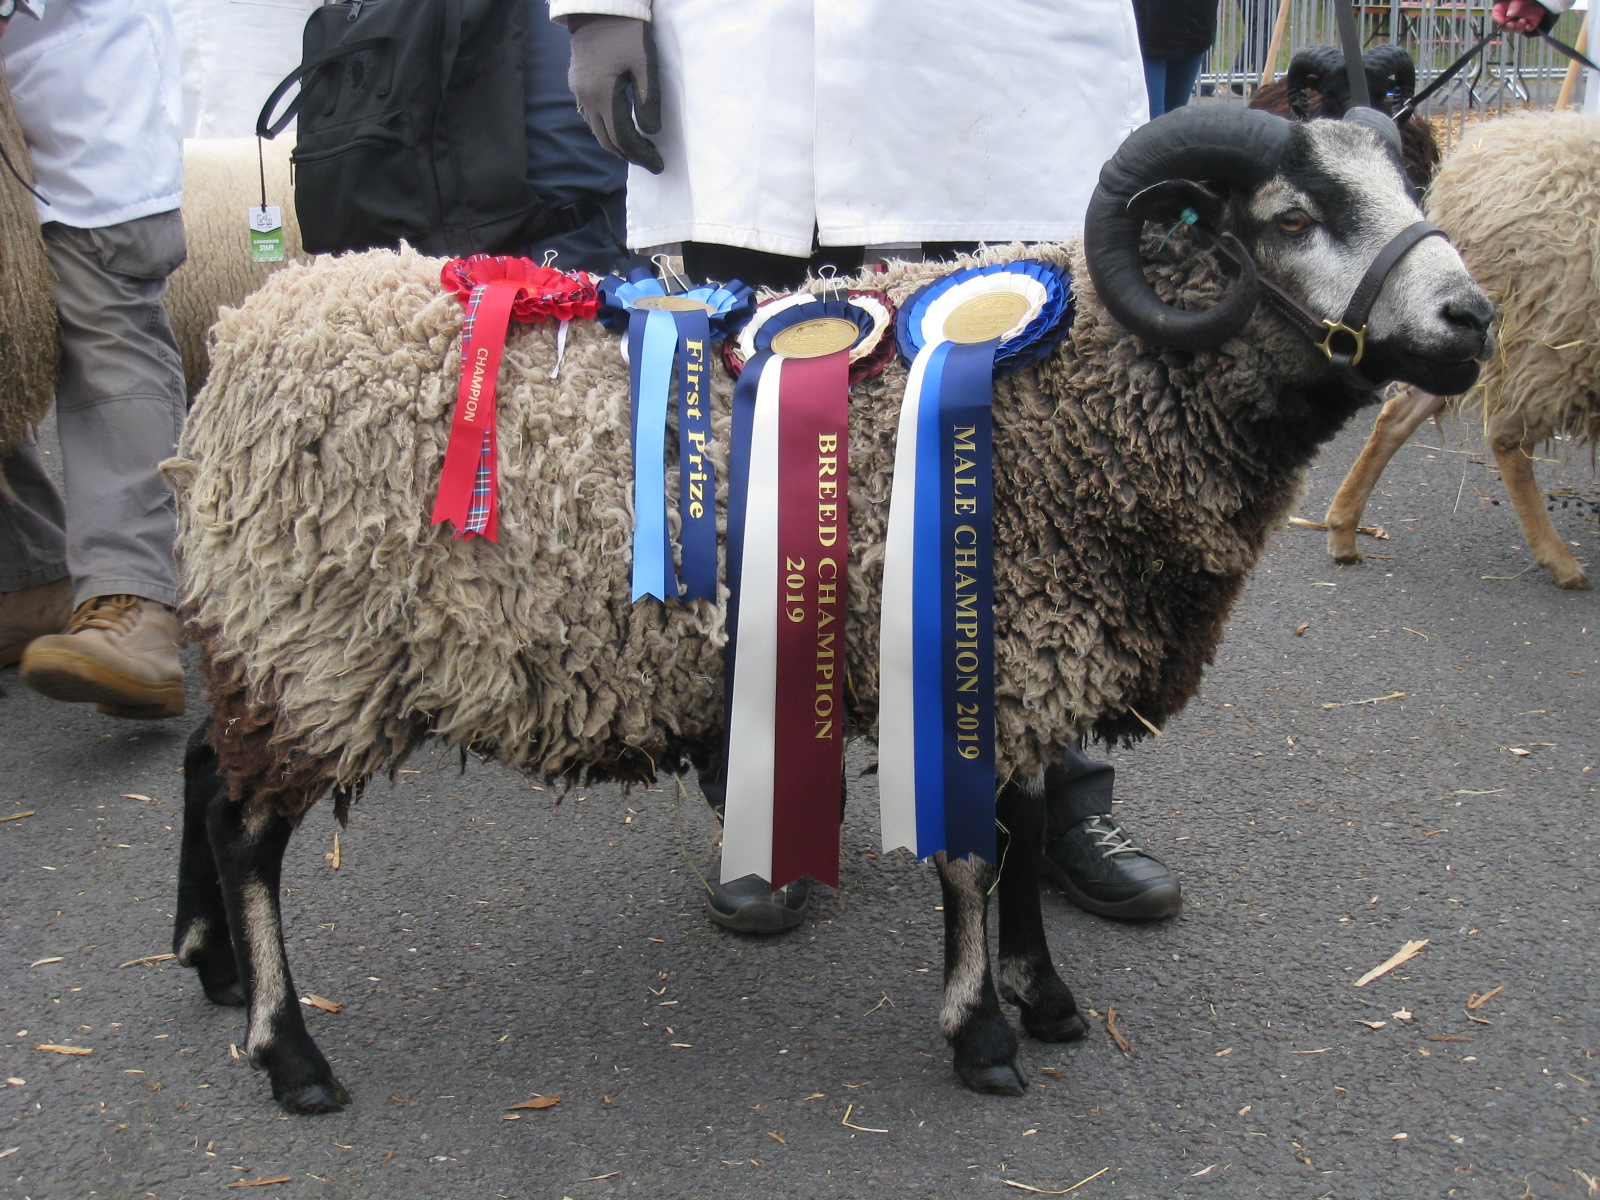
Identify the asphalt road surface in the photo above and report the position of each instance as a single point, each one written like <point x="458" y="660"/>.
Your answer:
<point x="1399" y="751"/>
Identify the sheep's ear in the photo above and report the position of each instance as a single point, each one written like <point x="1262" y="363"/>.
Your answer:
<point x="1168" y="200"/>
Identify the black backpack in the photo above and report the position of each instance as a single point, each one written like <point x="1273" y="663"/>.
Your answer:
<point x="412" y="127"/>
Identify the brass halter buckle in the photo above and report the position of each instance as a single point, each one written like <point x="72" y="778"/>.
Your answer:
<point x="1342" y="356"/>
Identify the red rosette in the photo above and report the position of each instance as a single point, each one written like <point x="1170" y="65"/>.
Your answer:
<point x="866" y="360"/>
<point x="543" y="294"/>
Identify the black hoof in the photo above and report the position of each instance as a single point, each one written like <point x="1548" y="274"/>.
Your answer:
<point x="1067" y="1028"/>
<point x="315" y="1098"/>
<point x="229" y="994"/>
<point x="998" y="1079"/>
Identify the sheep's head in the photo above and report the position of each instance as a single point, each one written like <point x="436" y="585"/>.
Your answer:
<point x="1318" y="84"/>
<point x="1305" y="209"/>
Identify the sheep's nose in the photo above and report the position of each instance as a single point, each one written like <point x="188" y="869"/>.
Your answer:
<point x="1471" y="311"/>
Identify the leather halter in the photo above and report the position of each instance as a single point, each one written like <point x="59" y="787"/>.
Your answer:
<point x="1342" y="342"/>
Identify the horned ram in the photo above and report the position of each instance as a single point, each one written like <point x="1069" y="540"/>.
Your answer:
<point x="1140" y="470"/>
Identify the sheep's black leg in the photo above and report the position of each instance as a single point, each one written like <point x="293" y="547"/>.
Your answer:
<point x="200" y="936"/>
<point x="984" y="1045"/>
<point x="1026" y="976"/>
<point x="248" y="842"/>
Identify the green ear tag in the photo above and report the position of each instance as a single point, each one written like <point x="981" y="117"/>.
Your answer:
<point x="1187" y="217"/>
<point x="266" y="233"/>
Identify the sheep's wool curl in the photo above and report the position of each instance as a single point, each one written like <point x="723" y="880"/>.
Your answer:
<point x="1134" y="490"/>
<point x="30" y="351"/>
<point x="1521" y="201"/>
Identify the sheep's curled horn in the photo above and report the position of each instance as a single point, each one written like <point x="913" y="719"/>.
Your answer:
<point x="1318" y="69"/>
<point x="1386" y="65"/>
<point x="1240" y="145"/>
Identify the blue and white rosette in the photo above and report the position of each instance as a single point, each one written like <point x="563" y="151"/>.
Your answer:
<point x="936" y="653"/>
<point x="668" y="348"/>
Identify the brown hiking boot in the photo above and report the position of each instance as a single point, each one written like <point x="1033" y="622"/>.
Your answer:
<point x="120" y="653"/>
<point x="30" y="613"/>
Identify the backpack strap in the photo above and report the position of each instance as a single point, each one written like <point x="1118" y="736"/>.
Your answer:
<point x="265" y="126"/>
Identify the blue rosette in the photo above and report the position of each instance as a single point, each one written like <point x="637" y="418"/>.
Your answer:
<point x="728" y="305"/>
<point x="1045" y="287"/>
<point x="872" y="312"/>
<point x="819" y="309"/>
<point x="667" y="340"/>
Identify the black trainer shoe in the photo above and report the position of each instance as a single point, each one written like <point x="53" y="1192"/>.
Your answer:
<point x="748" y="905"/>
<point x="1102" y="871"/>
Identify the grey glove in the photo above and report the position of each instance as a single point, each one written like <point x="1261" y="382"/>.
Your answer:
<point x="610" y="55"/>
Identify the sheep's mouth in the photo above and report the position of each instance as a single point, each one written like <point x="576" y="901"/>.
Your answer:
<point x="1443" y="376"/>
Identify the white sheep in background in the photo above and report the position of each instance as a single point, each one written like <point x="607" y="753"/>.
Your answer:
<point x="221" y="179"/>
<point x="30" y="351"/>
<point x="1136" y="485"/>
<point x="1521" y="200"/>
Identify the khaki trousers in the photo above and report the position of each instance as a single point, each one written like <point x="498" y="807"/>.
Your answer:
<point x="119" y="410"/>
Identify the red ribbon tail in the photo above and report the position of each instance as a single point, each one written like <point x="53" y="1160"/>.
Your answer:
<point x="812" y="565"/>
<point x="472" y="427"/>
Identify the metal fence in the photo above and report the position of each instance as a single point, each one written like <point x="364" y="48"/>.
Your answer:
<point x="1512" y="72"/>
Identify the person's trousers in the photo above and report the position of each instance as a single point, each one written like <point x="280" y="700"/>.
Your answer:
<point x="1075" y="789"/>
<point x="119" y="410"/>
<point x="565" y="163"/>
<point x="1169" y="82"/>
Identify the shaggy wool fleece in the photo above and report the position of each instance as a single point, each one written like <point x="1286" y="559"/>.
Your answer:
<point x="30" y="351"/>
<point x="1135" y="489"/>
<point x="1521" y="201"/>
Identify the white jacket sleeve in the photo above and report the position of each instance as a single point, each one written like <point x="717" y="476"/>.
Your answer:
<point x="560" y="10"/>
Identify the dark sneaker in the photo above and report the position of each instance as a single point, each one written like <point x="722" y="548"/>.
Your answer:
<point x="120" y="654"/>
<point x="749" y="905"/>
<point x="1102" y="871"/>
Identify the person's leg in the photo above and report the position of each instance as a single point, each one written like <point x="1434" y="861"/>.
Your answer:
<point x="119" y="410"/>
<point x="1181" y="75"/>
<point x="1155" y="85"/>
<point x="33" y="533"/>
<point x="585" y="184"/>
<point x="120" y="404"/>
<point x="35" y="589"/>
<point x="1087" y="853"/>
<point x="757" y="268"/>
<point x="946" y="251"/>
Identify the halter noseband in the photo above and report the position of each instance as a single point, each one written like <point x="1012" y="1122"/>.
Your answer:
<point x="1342" y="342"/>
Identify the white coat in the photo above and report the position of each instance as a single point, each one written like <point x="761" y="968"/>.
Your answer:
<point x="98" y="97"/>
<point x="234" y="53"/>
<point x="880" y="121"/>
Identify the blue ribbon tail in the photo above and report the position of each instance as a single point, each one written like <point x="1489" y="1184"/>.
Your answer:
<point x="927" y="617"/>
<point x="966" y="560"/>
<point x="697" y="483"/>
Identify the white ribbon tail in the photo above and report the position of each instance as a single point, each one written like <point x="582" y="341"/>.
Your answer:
<point x="897" y="757"/>
<point x="747" y="819"/>
<point x="561" y="348"/>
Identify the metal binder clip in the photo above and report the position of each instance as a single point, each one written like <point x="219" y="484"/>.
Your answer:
<point x="833" y="288"/>
<point x="670" y="279"/>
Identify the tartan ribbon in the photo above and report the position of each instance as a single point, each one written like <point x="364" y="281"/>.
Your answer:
<point x="495" y="291"/>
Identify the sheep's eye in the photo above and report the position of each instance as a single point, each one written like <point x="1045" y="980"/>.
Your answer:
<point x="1294" y="221"/>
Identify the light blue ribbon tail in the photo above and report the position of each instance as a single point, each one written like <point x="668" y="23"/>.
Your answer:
<point x="652" y="566"/>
